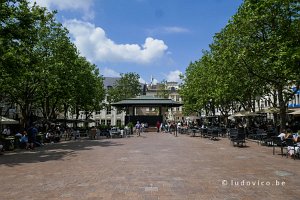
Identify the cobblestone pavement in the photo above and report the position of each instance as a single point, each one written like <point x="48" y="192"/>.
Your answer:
<point x="153" y="166"/>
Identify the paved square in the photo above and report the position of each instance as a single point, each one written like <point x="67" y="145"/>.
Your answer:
<point x="153" y="166"/>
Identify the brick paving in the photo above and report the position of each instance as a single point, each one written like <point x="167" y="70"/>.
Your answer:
<point x="153" y="166"/>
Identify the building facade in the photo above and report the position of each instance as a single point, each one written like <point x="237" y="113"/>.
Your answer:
<point x="111" y="116"/>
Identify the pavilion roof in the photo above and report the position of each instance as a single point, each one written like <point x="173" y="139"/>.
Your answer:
<point x="147" y="101"/>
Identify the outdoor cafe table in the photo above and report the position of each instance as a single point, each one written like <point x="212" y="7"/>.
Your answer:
<point x="9" y="142"/>
<point x="194" y="130"/>
<point x="261" y="137"/>
<point x="40" y="137"/>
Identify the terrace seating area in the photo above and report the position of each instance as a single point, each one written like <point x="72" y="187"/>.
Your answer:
<point x="239" y="137"/>
<point x="55" y="135"/>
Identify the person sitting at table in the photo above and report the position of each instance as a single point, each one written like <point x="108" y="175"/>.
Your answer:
<point x="296" y="138"/>
<point x="285" y="134"/>
<point x="293" y="149"/>
<point x="49" y="137"/>
<point x="18" y="134"/>
<point x="23" y="140"/>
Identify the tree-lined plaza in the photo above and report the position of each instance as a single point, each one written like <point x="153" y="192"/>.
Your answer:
<point x="255" y="55"/>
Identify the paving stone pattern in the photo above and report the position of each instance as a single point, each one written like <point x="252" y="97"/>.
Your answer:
<point x="153" y="166"/>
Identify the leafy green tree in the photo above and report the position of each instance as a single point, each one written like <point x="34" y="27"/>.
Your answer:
<point x="128" y="86"/>
<point x="40" y="67"/>
<point x="20" y="64"/>
<point x="88" y="88"/>
<point x="56" y="70"/>
<point x="269" y="34"/>
<point x="162" y="90"/>
<point x="256" y="54"/>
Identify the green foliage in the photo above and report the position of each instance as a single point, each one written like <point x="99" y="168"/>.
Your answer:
<point x="103" y="127"/>
<point x="40" y="67"/>
<point x="130" y="125"/>
<point x="128" y="86"/>
<point x="256" y="54"/>
<point x="162" y="90"/>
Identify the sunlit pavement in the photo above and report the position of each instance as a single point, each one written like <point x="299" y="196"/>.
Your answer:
<point x="153" y="166"/>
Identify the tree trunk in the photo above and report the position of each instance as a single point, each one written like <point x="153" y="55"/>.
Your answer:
<point x="282" y="107"/>
<point x="65" y="114"/>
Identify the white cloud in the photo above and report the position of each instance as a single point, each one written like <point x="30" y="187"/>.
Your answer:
<point x="84" y="6"/>
<point x="141" y="80"/>
<point x="106" y="72"/>
<point x="173" y="76"/>
<point x="154" y="81"/>
<point x="93" y="43"/>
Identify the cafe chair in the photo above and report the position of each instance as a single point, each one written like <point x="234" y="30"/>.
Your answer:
<point x="277" y="142"/>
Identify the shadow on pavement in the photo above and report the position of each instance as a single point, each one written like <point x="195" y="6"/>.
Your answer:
<point x="56" y="151"/>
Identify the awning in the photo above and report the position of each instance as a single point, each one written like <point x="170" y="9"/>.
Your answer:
<point x="297" y="112"/>
<point x="244" y="114"/>
<point x="5" y="120"/>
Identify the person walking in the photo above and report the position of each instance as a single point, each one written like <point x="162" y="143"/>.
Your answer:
<point x="138" y="128"/>
<point x="93" y="133"/>
<point x="158" y="126"/>
<point x="32" y="133"/>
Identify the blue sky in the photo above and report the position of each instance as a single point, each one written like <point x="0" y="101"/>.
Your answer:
<point x="154" y="38"/>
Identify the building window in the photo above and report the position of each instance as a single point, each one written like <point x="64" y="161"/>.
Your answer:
<point x="173" y="89"/>
<point x="102" y="121"/>
<point x="97" y="121"/>
<point x="119" y="122"/>
<point x="108" y="122"/>
<point x="98" y="112"/>
<point x="109" y="87"/>
<point x="108" y="110"/>
<point x="119" y="111"/>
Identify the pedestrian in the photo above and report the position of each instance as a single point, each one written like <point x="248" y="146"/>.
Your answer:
<point x="32" y="132"/>
<point x="138" y="128"/>
<point x="158" y="126"/>
<point x="93" y="133"/>
<point x="98" y="132"/>
<point x="142" y="127"/>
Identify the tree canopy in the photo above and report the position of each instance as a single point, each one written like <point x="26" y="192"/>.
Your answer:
<point x="41" y="68"/>
<point x="128" y="86"/>
<point x="256" y="54"/>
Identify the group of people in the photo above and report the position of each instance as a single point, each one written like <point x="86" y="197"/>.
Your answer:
<point x="27" y="139"/>
<point x="287" y="134"/>
<point x="139" y="127"/>
<point x="166" y="127"/>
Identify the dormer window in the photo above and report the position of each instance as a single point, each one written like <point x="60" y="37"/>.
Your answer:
<point x="109" y="87"/>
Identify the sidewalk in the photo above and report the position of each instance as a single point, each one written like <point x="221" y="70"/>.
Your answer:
<point x="153" y="166"/>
